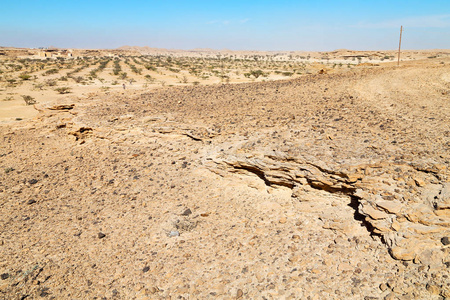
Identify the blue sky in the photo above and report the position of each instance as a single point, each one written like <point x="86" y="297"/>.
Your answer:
<point x="320" y="25"/>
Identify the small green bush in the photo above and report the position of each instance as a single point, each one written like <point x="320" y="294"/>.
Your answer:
<point x="24" y="76"/>
<point x="63" y="90"/>
<point x="51" y="71"/>
<point x="51" y="82"/>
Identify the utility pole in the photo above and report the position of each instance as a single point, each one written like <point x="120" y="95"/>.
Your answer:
<point x="399" y="45"/>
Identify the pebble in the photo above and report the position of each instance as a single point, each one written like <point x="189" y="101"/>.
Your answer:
<point x="187" y="212"/>
<point x="239" y="294"/>
<point x="391" y="283"/>
<point x="445" y="240"/>
<point x="174" y="233"/>
<point x="32" y="201"/>
<point x="146" y="269"/>
<point x="390" y="296"/>
<point x="101" y="235"/>
<point x="33" y="181"/>
<point x="4" y="276"/>
<point x="433" y="289"/>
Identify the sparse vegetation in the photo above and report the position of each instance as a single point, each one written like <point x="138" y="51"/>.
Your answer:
<point x="123" y="75"/>
<point x="28" y="99"/>
<point x="63" y="90"/>
<point x="78" y="79"/>
<point x="24" y="76"/>
<point x="288" y="169"/>
<point x="50" y="72"/>
<point x="38" y="86"/>
<point x="51" y="82"/>
<point x="167" y="70"/>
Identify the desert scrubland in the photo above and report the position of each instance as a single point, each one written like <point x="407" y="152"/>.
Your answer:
<point x="224" y="175"/>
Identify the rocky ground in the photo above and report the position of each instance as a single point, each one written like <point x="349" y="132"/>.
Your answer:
<point x="322" y="187"/>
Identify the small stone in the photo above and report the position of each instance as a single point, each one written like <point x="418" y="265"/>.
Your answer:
<point x="32" y="181"/>
<point x="174" y="233"/>
<point x="296" y="238"/>
<point x="43" y="292"/>
<point x="146" y="269"/>
<point x="187" y="212"/>
<point x="390" y="296"/>
<point x="101" y="235"/>
<point x="342" y="267"/>
<point x="4" y="276"/>
<point x="402" y="254"/>
<point x="391" y="283"/>
<point x="282" y="220"/>
<point x="419" y="181"/>
<point x="445" y="240"/>
<point x="433" y="289"/>
<point x="294" y="258"/>
<point x="239" y="293"/>
<point x="32" y="201"/>
<point x="383" y="287"/>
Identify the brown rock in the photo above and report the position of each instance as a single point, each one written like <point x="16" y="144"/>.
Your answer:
<point x="445" y="240"/>
<point x="432" y="289"/>
<point x="370" y="211"/>
<point x="402" y="254"/>
<point x="392" y="207"/>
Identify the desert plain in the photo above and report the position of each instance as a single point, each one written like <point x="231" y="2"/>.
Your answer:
<point x="142" y="173"/>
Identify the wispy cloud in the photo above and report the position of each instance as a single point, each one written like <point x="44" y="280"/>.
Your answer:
<point x="434" y="21"/>
<point x="228" y="22"/>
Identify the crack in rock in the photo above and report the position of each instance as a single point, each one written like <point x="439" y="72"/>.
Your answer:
<point x="408" y="206"/>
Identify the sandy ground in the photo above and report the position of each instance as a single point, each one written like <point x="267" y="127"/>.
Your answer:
<point x="325" y="186"/>
<point x="232" y="64"/>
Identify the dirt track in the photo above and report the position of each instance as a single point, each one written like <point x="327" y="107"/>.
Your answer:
<point x="329" y="186"/>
